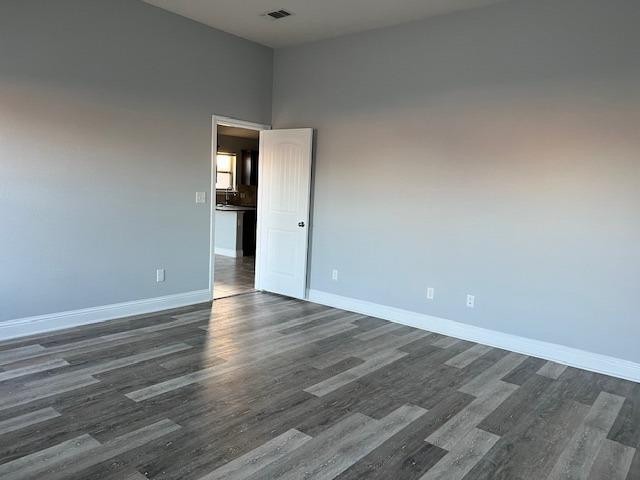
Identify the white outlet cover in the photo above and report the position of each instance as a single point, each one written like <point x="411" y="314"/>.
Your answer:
<point x="471" y="301"/>
<point x="334" y="275"/>
<point x="201" y="197"/>
<point x="430" y="293"/>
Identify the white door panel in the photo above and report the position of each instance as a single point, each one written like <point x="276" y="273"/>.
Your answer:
<point x="283" y="210"/>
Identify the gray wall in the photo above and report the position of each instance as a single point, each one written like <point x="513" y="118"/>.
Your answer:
<point x="493" y="152"/>
<point x="105" y="136"/>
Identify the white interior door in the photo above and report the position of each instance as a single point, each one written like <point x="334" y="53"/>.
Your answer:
<point x="284" y="184"/>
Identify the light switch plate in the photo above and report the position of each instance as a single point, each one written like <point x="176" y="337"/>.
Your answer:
<point x="160" y="275"/>
<point x="201" y="197"/>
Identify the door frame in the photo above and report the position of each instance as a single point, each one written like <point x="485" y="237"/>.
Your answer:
<point x="227" y="122"/>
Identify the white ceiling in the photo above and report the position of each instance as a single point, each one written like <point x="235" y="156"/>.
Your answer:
<point x="311" y="19"/>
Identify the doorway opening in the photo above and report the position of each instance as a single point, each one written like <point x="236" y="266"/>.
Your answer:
<point x="260" y="209"/>
<point x="234" y="206"/>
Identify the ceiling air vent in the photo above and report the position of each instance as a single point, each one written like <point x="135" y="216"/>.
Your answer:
<point x="278" y="14"/>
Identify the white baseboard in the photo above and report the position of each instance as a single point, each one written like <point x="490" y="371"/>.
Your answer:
<point x="228" y="252"/>
<point x="55" y="321"/>
<point x="574" y="357"/>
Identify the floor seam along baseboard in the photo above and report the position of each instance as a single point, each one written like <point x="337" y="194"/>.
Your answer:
<point x="26" y="326"/>
<point x="594" y="362"/>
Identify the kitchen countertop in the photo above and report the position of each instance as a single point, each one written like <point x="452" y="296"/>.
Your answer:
<point x="233" y="208"/>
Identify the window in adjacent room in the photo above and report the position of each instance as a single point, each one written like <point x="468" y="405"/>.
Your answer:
<point x="225" y="171"/>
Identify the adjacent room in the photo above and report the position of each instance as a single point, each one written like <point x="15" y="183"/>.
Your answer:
<point x="235" y="213"/>
<point x="343" y="239"/>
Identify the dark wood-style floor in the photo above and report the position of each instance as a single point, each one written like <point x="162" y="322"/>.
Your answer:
<point x="233" y="276"/>
<point x="266" y="387"/>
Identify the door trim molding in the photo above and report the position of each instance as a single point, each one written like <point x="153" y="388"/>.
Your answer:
<point x="227" y="122"/>
<point x="21" y="327"/>
<point x="594" y="362"/>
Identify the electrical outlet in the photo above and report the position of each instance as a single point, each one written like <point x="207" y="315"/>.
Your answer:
<point x="471" y="301"/>
<point x="430" y="293"/>
<point x="334" y="275"/>
<point x="160" y="275"/>
<point x="201" y="197"/>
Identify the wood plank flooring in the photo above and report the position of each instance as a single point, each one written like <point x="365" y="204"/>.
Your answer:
<point x="265" y="387"/>
<point x="233" y="276"/>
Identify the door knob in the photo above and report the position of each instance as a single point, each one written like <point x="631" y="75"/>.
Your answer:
<point x="301" y="224"/>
